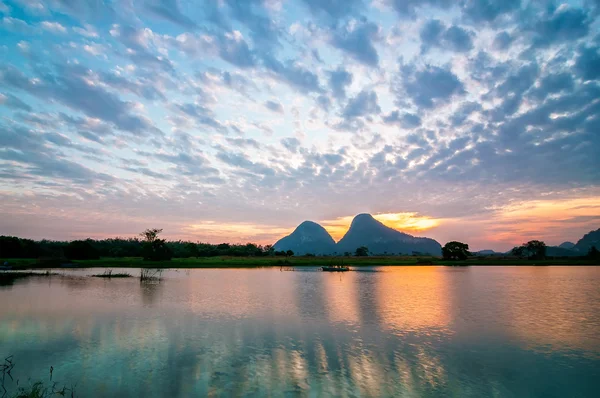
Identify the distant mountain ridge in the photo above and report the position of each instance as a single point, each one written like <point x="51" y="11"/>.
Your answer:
<point x="590" y="239"/>
<point x="310" y="237"/>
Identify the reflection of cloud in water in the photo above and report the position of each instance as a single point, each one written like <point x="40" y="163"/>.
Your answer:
<point x="401" y="332"/>
<point x="414" y="299"/>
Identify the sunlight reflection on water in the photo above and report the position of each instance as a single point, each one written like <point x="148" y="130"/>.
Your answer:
<point x="404" y="331"/>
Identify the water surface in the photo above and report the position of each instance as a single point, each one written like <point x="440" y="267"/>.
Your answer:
<point x="391" y="331"/>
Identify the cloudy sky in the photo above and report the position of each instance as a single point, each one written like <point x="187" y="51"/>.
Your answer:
<point x="235" y="120"/>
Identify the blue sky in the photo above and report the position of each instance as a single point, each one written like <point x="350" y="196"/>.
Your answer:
<point x="227" y="120"/>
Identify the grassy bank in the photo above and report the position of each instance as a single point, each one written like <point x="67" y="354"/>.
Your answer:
<point x="244" y="262"/>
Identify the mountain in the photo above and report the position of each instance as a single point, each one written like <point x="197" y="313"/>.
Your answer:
<point x="557" y="251"/>
<point x="379" y="239"/>
<point x="308" y="237"/>
<point x="567" y="245"/>
<point x="488" y="253"/>
<point x="590" y="239"/>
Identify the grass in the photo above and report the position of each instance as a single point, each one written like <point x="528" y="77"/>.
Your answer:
<point x="252" y="262"/>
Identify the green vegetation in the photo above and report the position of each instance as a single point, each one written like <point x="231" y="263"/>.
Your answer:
<point x="21" y="254"/>
<point x="455" y="251"/>
<point x="246" y="262"/>
<point x="33" y="389"/>
<point x="153" y="248"/>
<point x="362" y="251"/>
<point x="58" y="253"/>
<point x="594" y="254"/>
<point x="533" y="250"/>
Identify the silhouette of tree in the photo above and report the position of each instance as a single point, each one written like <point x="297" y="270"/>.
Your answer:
<point x="362" y="251"/>
<point x="289" y="253"/>
<point x="455" y="251"/>
<point x="534" y="250"/>
<point x="81" y="250"/>
<point x="153" y="248"/>
<point x="594" y="253"/>
<point x="518" y="251"/>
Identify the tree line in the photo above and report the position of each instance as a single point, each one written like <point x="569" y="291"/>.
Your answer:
<point x="149" y="246"/>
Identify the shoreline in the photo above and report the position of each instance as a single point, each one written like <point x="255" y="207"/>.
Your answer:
<point x="300" y="261"/>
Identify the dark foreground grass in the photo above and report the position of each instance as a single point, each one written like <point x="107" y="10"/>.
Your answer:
<point x="299" y="261"/>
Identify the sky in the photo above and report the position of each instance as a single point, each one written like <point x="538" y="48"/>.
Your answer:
<point x="236" y="120"/>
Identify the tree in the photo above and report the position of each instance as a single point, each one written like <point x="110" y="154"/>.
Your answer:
<point x="153" y="248"/>
<point x="268" y="250"/>
<point x="594" y="253"/>
<point x="81" y="250"/>
<point x="536" y="249"/>
<point x="455" y="251"/>
<point x="533" y="250"/>
<point x="289" y="253"/>
<point x="518" y="251"/>
<point x="362" y="251"/>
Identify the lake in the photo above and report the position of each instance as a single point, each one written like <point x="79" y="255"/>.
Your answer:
<point x="387" y="331"/>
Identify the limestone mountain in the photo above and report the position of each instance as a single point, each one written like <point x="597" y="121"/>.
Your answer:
<point x="590" y="239"/>
<point x="567" y="245"/>
<point x="379" y="239"/>
<point x="308" y="237"/>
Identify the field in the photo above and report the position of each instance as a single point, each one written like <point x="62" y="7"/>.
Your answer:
<point x="245" y="262"/>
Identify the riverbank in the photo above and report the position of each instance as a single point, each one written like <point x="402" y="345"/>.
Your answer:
<point x="245" y="262"/>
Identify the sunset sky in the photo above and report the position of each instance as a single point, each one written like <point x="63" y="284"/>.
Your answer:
<point x="236" y="120"/>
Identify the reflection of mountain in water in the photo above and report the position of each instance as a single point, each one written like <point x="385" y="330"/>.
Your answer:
<point x="406" y="331"/>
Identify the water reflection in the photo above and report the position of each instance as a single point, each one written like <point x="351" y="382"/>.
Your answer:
<point x="400" y="332"/>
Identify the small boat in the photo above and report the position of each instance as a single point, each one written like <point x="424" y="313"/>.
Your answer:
<point x="335" y="268"/>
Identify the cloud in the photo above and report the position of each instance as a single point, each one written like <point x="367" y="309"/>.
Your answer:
<point x="562" y="25"/>
<point x="252" y="14"/>
<point x="138" y="47"/>
<point x="489" y="10"/>
<point x="69" y="87"/>
<point x="244" y="142"/>
<point x="587" y="63"/>
<point x="463" y="112"/>
<point x="53" y="27"/>
<point x="357" y="40"/>
<point x="291" y="144"/>
<point x="274" y="106"/>
<point x="406" y="120"/>
<point x="11" y="101"/>
<point x="230" y="46"/>
<point x="201" y="115"/>
<point x="501" y="105"/>
<point x="27" y="148"/>
<point x="16" y="25"/>
<point x="334" y="8"/>
<point x="408" y="8"/>
<point x="503" y="40"/>
<point x="364" y="104"/>
<point x="430" y="86"/>
<point x="170" y="11"/>
<point x="338" y="80"/>
<point x="454" y="38"/>
<point x="293" y="74"/>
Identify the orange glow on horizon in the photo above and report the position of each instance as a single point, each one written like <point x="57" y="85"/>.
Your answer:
<point x="538" y="219"/>
<point x="408" y="222"/>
